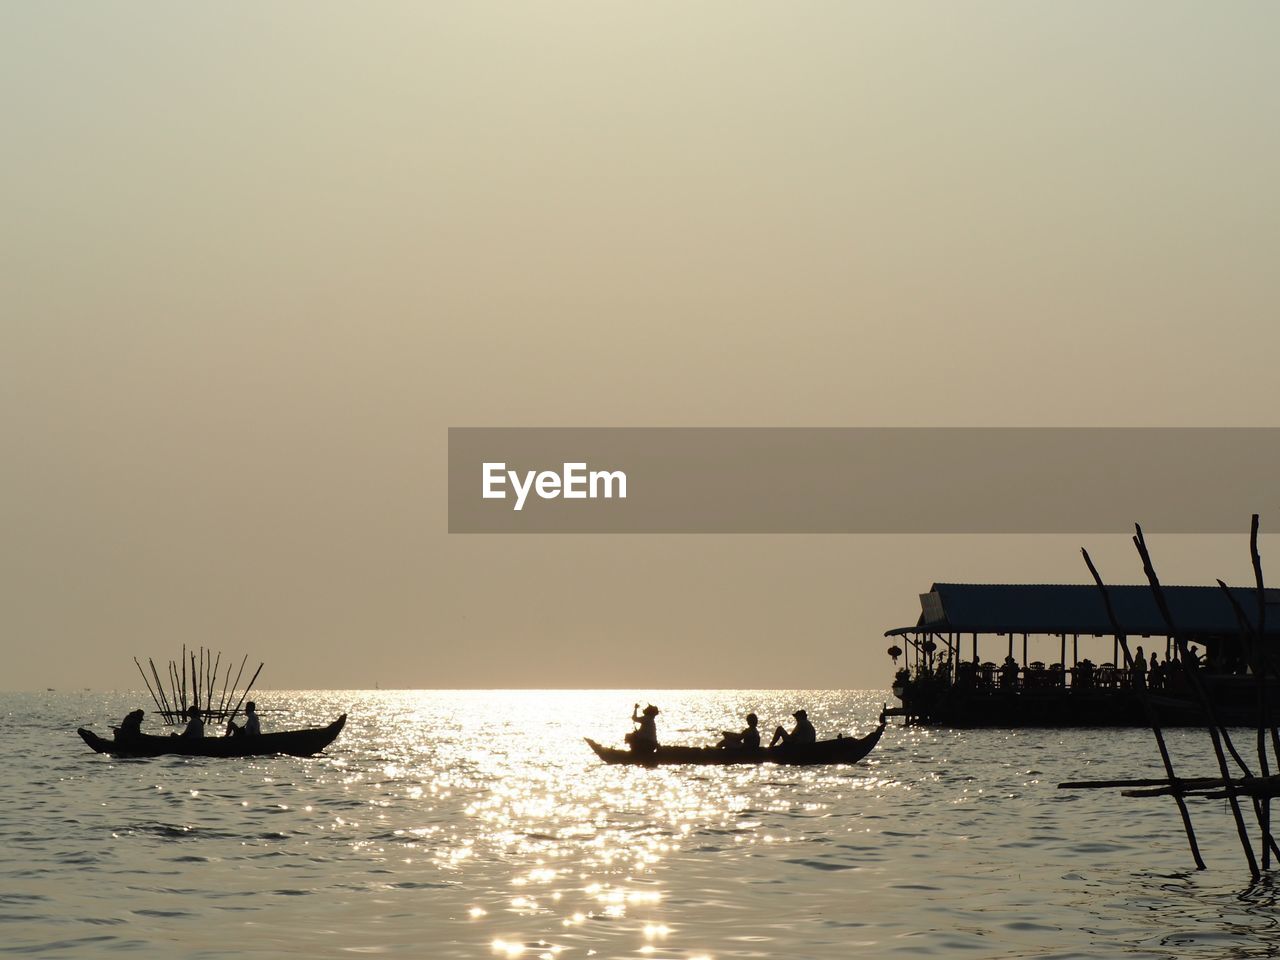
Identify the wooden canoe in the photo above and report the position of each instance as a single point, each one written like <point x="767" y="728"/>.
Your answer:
<point x="297" y="743"/>
<point x="840" y="750"/>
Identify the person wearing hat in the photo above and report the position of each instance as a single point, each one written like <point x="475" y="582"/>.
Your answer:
<point x="748" y="739"/>
<point x="803" y="732"/>
<point x="644" y="739"/>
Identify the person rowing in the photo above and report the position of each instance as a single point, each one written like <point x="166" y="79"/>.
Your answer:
<point x="802" y="734"/>
<point x="748" y="739"/>
<point x="644" y="739"/>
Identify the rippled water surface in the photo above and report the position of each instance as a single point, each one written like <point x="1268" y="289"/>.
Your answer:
<point x="478" y="824"/>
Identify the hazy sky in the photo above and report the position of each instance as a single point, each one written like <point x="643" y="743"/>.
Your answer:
<point x="255" y="258"/>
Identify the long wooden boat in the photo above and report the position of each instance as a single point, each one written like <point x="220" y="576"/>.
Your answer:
<point x="824" y="752"/>
<point x="297" y="743"/>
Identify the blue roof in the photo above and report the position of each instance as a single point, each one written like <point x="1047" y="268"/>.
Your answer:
<point x="1078" y="608"/>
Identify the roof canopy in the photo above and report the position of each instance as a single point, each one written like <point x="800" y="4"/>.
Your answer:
<point x="1078" y="608"/>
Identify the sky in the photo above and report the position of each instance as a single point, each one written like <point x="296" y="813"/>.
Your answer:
<point x="255" y="259"/>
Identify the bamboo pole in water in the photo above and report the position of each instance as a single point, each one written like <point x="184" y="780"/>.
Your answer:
<point x="1186" y="783"/>
<point x="155" y="673"/>
<point x="213" y="676"/>
<point x="173" y="682"/>
<point x="154" y="698"/>
<point x="195" y="686"/>
<point x="1260" y="661"/>
<point x="237" y="680"/>
<point x="1215" y="734"/>
<point x="236" y="711"/>
<point x="1261" y="804"/>
<point x="222" y="697"/>
<point x="1150" y="711"/>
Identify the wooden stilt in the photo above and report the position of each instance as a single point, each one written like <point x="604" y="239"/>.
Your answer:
<point x="1218" y="736"/>
<point x="1151" y="716"/>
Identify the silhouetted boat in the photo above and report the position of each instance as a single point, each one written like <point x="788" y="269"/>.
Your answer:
<point x="297" y="743"/>
<point x="840" y="750"/>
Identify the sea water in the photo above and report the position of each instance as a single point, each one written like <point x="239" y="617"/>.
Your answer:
<point x="479" y="824"/>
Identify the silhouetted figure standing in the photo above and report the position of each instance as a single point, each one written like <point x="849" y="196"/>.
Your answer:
<point x="644" y="739"/>
<point x="802" y="734"/>
<point x="1155" y="673"/>
<point x="1138" y="672"/>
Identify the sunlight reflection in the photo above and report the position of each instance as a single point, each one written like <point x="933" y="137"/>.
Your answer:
<point x="514" y="815"/>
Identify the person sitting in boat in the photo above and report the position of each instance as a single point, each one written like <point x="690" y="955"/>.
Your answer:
<point x="195" y="725"/>
<point x="802" y="734"/>
<point x="748" y="739"/>
<point x="252" y="727"/>
<point x="130" y="726"/>
<point x="644" y="739"/>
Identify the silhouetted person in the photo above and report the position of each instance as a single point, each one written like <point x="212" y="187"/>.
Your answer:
<point x="195" y="725"/>
<point x="1083" y="674"/>
<point x="644" y="739"/>
<point x="1009" y="672"/>
<point x="802" y="734"/>
<point x="1138" y="671"/>
<point x="130" y="726"/>
<point x="252" y="727"/>
<point x="748" y="739"/>
<point x="1155" y="673"/>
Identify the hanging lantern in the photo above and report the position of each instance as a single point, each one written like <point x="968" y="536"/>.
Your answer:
<point x="895" y="651"/>
<point x="929" y="646"/>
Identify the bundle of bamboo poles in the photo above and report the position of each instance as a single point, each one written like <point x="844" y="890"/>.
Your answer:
<point x="193" y="682"/>
<point x="1233" y="783"/>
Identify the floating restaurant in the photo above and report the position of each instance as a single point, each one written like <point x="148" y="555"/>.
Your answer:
<point x="1008" y="655"/>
